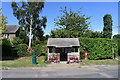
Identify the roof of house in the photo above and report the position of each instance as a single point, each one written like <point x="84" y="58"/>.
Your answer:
<point x="11" y="28"/>
<point x="63" y="42"/>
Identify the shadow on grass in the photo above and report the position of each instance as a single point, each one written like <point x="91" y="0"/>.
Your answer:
<point x="8" y="58"/>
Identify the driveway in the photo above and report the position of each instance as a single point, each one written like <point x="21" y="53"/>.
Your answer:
<point x="62" y="72"/>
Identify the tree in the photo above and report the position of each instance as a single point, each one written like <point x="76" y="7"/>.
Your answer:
<point x="23" y="36"/>
<point x="28" y="14"/>
<point x="60" y="33"/>
<point x="63" y="33"/>
<point x="107" y="30"/>
<point x="72" y="22"/>
<point x="117" y="36"/>
<point x="3" y="22"/>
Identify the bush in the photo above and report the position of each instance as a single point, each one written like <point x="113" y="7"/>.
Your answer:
<point x="46" y="57"/>
<point x="6" y="47"/>
<point x="39" y="49"/>
<point x="22" y="50"/>
<point x="17" y="41"/>
<point x="98" y="48"/>
<point x="82" y="55"/>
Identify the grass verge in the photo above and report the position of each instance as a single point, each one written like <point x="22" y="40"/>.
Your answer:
<point x="22" y="62"/>
<point x="26" y="62"/>
<point x="100" y="62"/>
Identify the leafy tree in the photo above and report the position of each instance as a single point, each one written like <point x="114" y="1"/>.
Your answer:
<point x="63" y="33"/>
<point x="107" y="30"/>
<point x="117" y="36"/>
<point x="72" y="22"/>
<point x="96" y="34"/>
<point x="23" y="36"/>
<point x="28" y="15"/>
<point x="3" y="22"/>
<point x="46" y="37"/>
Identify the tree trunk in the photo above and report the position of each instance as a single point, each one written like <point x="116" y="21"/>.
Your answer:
<point x="30" y="37"/>
<point x="30" y="33"/>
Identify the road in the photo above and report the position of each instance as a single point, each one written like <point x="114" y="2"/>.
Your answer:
<point x="63" y="72"/>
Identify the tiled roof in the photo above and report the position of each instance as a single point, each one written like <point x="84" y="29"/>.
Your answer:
<point x="11" y="28"/>
<point x="63" y="42"/>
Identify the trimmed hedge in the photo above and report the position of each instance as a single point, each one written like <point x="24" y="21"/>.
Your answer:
<point x="98" y="48"/>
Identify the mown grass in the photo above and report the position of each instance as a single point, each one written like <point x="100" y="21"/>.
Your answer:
<point x="22" y="62"/>
<point x="27" y="62"/>
<point x="100" y="62"/>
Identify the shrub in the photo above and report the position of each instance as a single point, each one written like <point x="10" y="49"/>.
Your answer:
<point x="82" y="55"/>
<point x="98" y="48"/>
<point x="46" y="57"/>
<point x="22" y="50"/>
<point x="17" y="41"/>
<point x="6" y="47"/>
<point x="39" y="49"/>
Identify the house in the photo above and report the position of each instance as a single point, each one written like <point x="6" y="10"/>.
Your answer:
<point x="63" y="48"/>
<point x="11" y="31"/>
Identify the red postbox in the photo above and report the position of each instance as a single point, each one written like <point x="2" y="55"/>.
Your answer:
<point x="86" y="55"/>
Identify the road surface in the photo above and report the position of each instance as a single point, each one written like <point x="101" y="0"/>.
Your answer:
<point x="63" y="72"/>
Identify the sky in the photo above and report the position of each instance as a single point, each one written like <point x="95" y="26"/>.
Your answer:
<point x="51" y="10"/>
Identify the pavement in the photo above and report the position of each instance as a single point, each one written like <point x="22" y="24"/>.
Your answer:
<point x="63" y="71"/>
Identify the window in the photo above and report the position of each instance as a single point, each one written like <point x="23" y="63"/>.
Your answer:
<point x="74" y="49"/>
<point x="51" y="50"/>
<point x="57" y="50"/>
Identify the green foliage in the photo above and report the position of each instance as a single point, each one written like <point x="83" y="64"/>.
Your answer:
<point x="117" y="36"/>
<point x="16" y="41"/>
<point x="23" y="36"/>
<point x="82" y="55"/>
<point x="46" y="37"/>
<point x="22" y="50"/>
<point x="71" y="24"/>
<point x="6" y="47"/>
<point x="39" y="49"/>
<point x="98" y="48"/>
<point x="71" y="19"/>
<point x="119" y="47"/>
<point x="107" y="30"/>
<point x="92" y="34"/>
<point x="46" y="57"/>
<point x="28" y="15"/>
<point x="3" y="22"/>
<point x="63" y="33"/>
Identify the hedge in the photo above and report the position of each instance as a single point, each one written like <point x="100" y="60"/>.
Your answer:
<point x="98" y="48"/>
